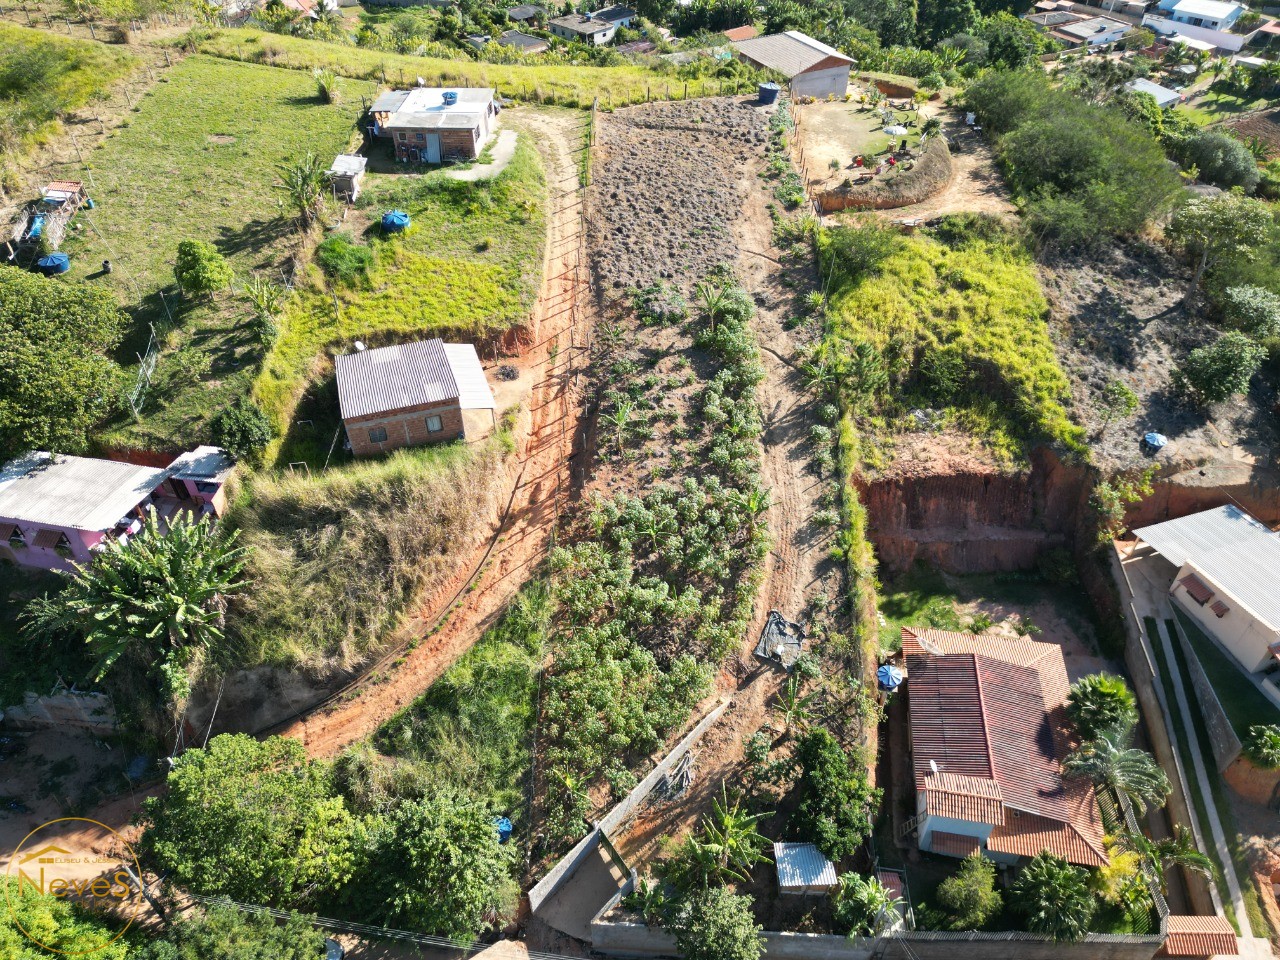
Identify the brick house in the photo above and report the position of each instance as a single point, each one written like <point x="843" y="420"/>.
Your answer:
<point x="412" y="394"/>
<point x="56" y="510"/>
<point x="431" y="124"/>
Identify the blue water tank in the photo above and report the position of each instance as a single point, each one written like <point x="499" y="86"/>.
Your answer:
<point x="503" y="826"/>
<point x="769" y="93"/>
<point x="393" y="221"/>
<point x="450" y="98"/>
<point x="54" y="263"/>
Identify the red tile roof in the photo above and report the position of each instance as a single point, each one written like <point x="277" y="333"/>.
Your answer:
<point x="741" y="33"/>
<point x="892" y="882"/>
<point x="993" y="708"/>
<point x="965" y="798"/>
<point x="1199" y="937"/>
<point x="953" y="844"/>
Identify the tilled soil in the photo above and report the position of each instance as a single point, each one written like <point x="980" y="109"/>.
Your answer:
<point x="1119" y="314"/>
<point x="667" y="181"/>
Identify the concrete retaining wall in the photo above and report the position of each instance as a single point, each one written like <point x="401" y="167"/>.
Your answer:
<point x="930" y="176"/>
<point x="86" y="711"/>
<point x="1222" y="737"/>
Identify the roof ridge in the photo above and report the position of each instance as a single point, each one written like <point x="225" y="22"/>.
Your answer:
<point x="982" y="714"/>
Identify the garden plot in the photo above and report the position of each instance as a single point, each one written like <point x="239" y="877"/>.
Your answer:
<point x="1119" y="314"/>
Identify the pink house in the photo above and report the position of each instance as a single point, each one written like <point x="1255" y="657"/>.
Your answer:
<point x="56" y="510"/>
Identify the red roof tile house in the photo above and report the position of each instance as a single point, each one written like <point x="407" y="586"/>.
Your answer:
<point x="987" y="743"/>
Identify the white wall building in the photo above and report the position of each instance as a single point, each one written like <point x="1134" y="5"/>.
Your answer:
<point x="1210" y="21"/>
<point x="813" y="68"/>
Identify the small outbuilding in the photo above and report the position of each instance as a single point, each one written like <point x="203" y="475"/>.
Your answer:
<point x="802" y="869"/>
<point x="523" y="42"/>
<point x="345" y="174"/>
<point x="813" y="68"/>
<point x="434" y="124"/>
<point x="1165" y="97"/>
<point x="528" y="14"/>
<point x="413" y="394"/>
<point x="1188" y="936"/>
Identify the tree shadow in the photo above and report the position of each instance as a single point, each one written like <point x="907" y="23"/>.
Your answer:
<point x="310" y="435"/>
<point x="256" y="235"/>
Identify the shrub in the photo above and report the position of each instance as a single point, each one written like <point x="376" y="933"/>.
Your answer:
<point x="327" y="85"/>
<point x="342" y="259"/>
<point x="862" y="906"/>
<point x="717" y="925"/>
<point x="1255" y="310"/>
<point x="1262" y="745"/>
<point x="970" y="895"/>
<point x="1054" y="897"/>
<point x="1221" y="159"/>
<point x="243" y="430"/>
<point x="1221" y="370"/>
<point x="836" y="800"/>
<point x="200" y="268"/>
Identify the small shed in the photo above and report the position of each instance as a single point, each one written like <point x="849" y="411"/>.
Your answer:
<point x="345" y="174"/>
<point x="803" y="869"/>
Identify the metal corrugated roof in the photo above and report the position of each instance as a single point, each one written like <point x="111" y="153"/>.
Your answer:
<point x="1199" y="937"/>
<point x="1164" y="96"/>
<point x="347" y="165"/>
<point x="1235" y="552"/>
<point x="789" y="53"/>
<point x="202" y="463"/>
<point x="803" y="865"/>
<point x="473" y="387"/>
<point x="77" y="492"/>
<point x="1213" y="9"/>
<point x="393" y="378"/>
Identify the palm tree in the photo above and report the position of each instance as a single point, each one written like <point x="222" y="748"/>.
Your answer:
<point x="863" y="905"/>
<point x="620" y="420"/>
<point x="793" y="706"/>
<point x="1099" y="702"/>
<point x="713" y="298"/>
<point x="1054" y="897"/>
<point x="1111" y="765"/>
<point x="304" y="180"/>
<point x="1177" y="851"/>
<point x="754" y="503"/>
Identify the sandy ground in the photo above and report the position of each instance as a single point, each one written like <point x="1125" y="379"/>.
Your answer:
<point x="561" y="325"/>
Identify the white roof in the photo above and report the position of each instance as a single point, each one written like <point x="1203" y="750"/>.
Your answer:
<point x="473" y="388"/>
<point x="406" y="106"/>
<point x="346" y="165"/>
<point x="1213" y="9"/>
<point x="202" y="463"/>
<point x="1092" y="26"/>
<point x="80" y="493"/>
<point x="1164" y="96"/>
<point x="803" y="865"/>
<point x="1195" y="43"/>
<point x="1231" y="550"/>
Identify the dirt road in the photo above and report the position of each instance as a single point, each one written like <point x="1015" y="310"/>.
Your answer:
<point x="560" y="323"/>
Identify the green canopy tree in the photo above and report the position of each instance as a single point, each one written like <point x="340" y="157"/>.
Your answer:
<point x="715" y="924"/>
<point x="156" y="602"/>
<point x="200" y="268"/>
<point x="1101" y="702"/>
<point x="836" y="800"/>
<point x="1214" y="229"/>
<point x="1054" y="897"/>
<point x="56" y="376"/>
<point x="252" y="820"/>
<point x="60" y="927"/>
<point x="969" y="895"/>
<point x="230" y="934"/>
<point x="1220" y="370"/>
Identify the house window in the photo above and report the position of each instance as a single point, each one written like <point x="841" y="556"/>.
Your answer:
<point x="1196" y="589"/>
<point x="421" y="137"/>
<point x="401" y="137"/>
<point x="16" y="540"/>
<point x="434" y="425"/>
<point x="1219" y="609"/>
<point x="207" y="486"/>
<point x="47" y="539"/>
<point x="377" y="434"/>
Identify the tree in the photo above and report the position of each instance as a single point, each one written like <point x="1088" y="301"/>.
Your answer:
<point x="1262" y="745"/>
<point x="1101" y="702"/>
<point x="715" y="924"/>
<point x="1054" y="897"/>
<point x="56" y="378"/>
<point x="1214" y="229"/>
<point x="730" y="845"/>
<point x="1177" y="851"/>
<point x="230" y="934"/>
<point x="1128" y="771"/>
<point x="434" y="865"/>
<point x="1118" y="402"/>
<point x="252" y="820"/>
<point x="970" y="895"/>
<point x="863" y="906"/>
<point x="304" y="180"/>
<point x="945" y="18"/>
<point x="243" y="430"/>
<point x="1254" y="310"/>
<point x="836" y="800"/>
<point x="1221" y="159"/>
<point x="200" y="268"/>
<point x="1219" y="371"/>
<point x="155" y="601"/>
<point x="62" y="928"/>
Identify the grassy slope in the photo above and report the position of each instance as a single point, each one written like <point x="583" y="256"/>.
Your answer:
<point x="165" y="178"/>
<point x="982" y="299"/>
<point x="1243" y="702"/>
<point x="565" y="85"/>
<point x="434" y="278"/>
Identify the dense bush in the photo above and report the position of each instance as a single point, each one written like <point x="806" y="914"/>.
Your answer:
<point x="342" y="259"/>
<point x="1084" y="171"/>
<point x="717" y="925"/>
<point x="837" y="802"/>
<point x="1221" y="159"/>
<point x="1255" y="310"/>
<point x="969" y="895"/>
<point x="200" y="268"/>
<point x="1220" y="370"/>
<point x="243" y="430"/>
<point x="1262" y="745"/>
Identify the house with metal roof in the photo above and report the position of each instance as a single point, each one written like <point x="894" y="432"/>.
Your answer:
<point x="412" y="394"/>
<point x="523" y="42"/>
<point x="1209" y="21"/>
<point x="1227" y="579"/>
<point x="58" y="510"/>
<point x="813" y="68"/>
<point x="434" y="124"/>
<point x="988" y="737"/>
<point x="577" y="26"/>
<point x="527" y="14"/>
<point x="617" y="14"/>
<point x="1164" y="97"/>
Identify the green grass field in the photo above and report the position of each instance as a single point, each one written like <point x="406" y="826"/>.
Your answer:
<point x="567" y="86"/>
<point x="1243" y="703"/>
<point x="198" y="161"/>
<point x="470" y="265"/>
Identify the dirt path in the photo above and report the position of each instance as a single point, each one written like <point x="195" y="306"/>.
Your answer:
<point x="560" y="324"/>
<point x="799" y="566"/>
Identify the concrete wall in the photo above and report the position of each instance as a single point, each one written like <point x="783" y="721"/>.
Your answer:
<point x="833" y="81"/>
<point x="967" y="828"/>
<point x="1222" y="737"/>
<point x="85" y="711"/>
<point x="1243" y="635"/>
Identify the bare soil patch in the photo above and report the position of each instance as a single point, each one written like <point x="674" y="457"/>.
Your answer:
<point x="1119" y="314"/>
<point x="1263" y="124"/>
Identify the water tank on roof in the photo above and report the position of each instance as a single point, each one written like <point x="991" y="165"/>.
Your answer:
<point x="393" y="221"/>
<point x="769" y="93"/>
<point x="450" y="98"/>
<point x="53" y="264"/>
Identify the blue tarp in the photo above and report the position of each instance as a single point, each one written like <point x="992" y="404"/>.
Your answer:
<point x="503" y="826"/>
<point x="889" y="677"/>
<point x="37" y="227"/>
<point x="395" y="220"/>
<point x="54" y="263"/>
<point x="1155" y="441"/>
